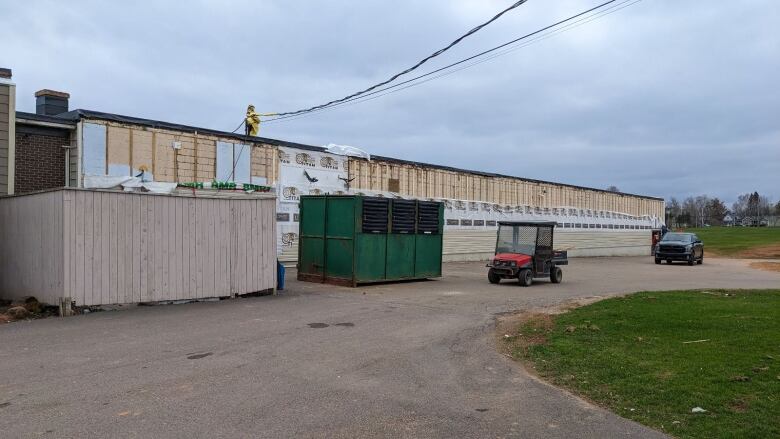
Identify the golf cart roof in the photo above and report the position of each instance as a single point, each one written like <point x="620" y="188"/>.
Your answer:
<point x="528" y="223"/>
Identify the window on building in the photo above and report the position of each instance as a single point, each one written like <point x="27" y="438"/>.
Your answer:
<point x="233" y="162"/>
<point x="93" y="158"/>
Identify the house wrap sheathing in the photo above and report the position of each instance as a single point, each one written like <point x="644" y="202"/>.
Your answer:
<point x="591" y="221"/>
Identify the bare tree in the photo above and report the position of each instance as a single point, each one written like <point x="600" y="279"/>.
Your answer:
<point x="695" y="210"/>
<point x="688" y="212"/>
<point x="740" y="207"/>
<point x="673" y="211"/>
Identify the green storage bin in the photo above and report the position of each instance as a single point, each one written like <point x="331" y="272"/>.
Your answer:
<point x="352" y="239"/>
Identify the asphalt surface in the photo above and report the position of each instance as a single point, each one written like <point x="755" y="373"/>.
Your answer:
<point x="414" y="359"/>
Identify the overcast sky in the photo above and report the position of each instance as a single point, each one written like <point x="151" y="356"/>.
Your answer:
<point x="664" y="98"/>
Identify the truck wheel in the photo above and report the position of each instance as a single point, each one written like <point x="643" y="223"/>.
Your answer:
<point x="691" y="259"/>
<point x="493" y="277"/>
<point x="526" y="277"/>
<point x="657" y="261"/>
<point x="556" y="275"/>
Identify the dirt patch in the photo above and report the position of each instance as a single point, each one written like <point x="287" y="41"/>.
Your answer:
<point x="522" y="330"/>
<point x="768" y="266"/>
<point x="771" y="251"/>
<point x="740" y="405"/>
<point x="566" y="306"/>
<point x="762" y="252"/>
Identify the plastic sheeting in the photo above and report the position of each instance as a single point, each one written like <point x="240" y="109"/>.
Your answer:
<point x="159" y="187"/>
<point x="346" y="150"/>
<point x="135" y="183"/>
<point x="129" y="184"/>
<point x="104" y="181"/>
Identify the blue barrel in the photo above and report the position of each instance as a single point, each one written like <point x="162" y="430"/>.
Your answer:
<point x="279" y="276"/>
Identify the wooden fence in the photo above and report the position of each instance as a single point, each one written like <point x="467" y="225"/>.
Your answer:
<point x="108" y="247"/>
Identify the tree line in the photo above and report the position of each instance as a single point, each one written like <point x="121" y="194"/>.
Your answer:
<point x="753" y="208"/>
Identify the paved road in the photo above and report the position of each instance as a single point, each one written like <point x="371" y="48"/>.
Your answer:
<point x="403" y="360"/>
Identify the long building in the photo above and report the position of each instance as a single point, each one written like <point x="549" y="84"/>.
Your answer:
<point x="57" y="147"/>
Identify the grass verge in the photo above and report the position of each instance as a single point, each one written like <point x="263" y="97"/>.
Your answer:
<point x="653" y="357"/>
<point x="755" y="242"/>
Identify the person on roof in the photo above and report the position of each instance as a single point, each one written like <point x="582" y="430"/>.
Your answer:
<point x="252" y="120"/>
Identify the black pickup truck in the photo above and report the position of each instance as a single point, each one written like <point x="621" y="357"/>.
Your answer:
<point x="676" y="246"/>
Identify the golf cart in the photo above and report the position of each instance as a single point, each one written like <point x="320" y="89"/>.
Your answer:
<point x="524" y="251"/>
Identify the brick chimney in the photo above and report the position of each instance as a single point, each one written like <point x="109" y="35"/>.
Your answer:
<point x="50" y="102"/>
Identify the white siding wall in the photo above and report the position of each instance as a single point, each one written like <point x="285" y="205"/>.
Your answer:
<point x="474" y="245"/>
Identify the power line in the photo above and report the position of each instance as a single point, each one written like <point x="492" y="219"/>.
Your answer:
<point x="410" y="69"/>
<point x="571" y="23"/>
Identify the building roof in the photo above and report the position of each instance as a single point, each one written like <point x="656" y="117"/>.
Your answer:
<point x="76" y="115"/>
<point x="43" y="118"/>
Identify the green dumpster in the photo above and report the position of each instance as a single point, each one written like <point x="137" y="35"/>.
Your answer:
<point x="352" y="239"/>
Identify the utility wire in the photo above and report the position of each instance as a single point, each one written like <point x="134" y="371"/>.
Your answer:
<point x="410" y="69"/>
<point x="571" y="23"/>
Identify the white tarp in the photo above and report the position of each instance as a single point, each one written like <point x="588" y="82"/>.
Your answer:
<point x="104" y="181"/>
<point x="128" y="183"/>
<point x="347" y="150"/>
<point x="135" y="183"/>
<point x="159" y="187"/>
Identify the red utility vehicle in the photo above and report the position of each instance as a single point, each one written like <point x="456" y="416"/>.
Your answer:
<point x="524" y="251"/>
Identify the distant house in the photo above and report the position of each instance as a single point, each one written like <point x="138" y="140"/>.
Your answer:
<point x="728" y="220"/>
<point x="751" y="221"/>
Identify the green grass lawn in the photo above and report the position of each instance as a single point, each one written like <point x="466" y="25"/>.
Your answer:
<point x="730" y="241"/>
<point x="630" y="355"/>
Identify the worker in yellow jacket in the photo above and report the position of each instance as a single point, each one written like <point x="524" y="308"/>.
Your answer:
<point x="252" y="120"/>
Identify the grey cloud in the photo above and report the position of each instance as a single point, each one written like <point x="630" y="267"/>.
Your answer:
<point x="665" y="98"/>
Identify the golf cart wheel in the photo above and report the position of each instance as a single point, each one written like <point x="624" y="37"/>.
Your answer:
<point x="691" y="259"/>
<point x="657" y="261"/>
<point x="525" y="277"/>
<point x="556" y="275"/>
<point x="493" y="277"/>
